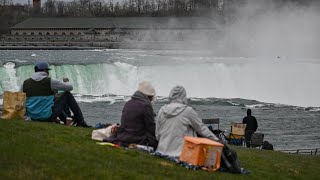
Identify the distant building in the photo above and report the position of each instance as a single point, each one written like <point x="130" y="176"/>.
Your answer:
<point x="108" y="29"/>
<point x="36" y="3"/>
<point x="36" y="6"/>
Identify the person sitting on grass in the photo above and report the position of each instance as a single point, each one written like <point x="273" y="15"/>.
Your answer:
<point x="137" y="120"/>
<point x="176" y="120"/>
<point x="41" y="104"/>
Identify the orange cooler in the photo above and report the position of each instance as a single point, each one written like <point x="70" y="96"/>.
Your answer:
<point x="201" y="152"/>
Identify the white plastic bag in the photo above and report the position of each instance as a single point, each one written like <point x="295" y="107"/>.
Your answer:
<point x="100" y="134"/>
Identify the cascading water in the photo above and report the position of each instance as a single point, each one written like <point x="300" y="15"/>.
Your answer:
<point x="281" y="64"/>
<point x="104" y="79"/>
<point x="10" y="80"/>
<point x="275" y="82"/>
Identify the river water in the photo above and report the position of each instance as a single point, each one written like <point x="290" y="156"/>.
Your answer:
<point x="282" y="92"/>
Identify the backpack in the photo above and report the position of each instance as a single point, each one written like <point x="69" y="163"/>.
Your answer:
<point x="230" y="161"/>
<point x="267" y="146"/>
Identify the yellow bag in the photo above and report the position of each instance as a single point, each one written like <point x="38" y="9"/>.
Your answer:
<point x="14" y="105"/>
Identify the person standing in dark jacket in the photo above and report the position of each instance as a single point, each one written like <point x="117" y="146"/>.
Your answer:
<point x="137" y="120"/>
<point x="251" y="127"/>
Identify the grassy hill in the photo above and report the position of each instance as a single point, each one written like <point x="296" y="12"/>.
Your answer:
<point x="33" y="150"/>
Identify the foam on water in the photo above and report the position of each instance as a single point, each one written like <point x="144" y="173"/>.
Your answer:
<point x="19" y="61"/>
<point x="107" y="98"/>
<point x="255" y="106"/>
<point x="313" y="109"/>
<point x="281" y="81"/>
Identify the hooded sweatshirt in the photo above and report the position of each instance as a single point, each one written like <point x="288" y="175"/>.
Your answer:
<point x="250" y="121"/>
<point x="39" y="103"/>
<point x="176" y="120"/>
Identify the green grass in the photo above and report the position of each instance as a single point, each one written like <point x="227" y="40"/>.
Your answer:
<point x="33" y="150"/>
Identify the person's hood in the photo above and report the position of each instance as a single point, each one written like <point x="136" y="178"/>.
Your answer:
<point x="178" y="102"/>
<point x="173" y="109"/>
<point x="38" y="76"/>
<point x="178" y="94"/>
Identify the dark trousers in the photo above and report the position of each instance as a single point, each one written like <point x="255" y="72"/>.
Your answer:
<point x="65" y="113"/>
<point x="247" y="136"/>
<point x="62" y="105"/>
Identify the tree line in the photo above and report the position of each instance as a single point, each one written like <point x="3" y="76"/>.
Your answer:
<point x="128" y="8"/>
<point x="11" y="14"/>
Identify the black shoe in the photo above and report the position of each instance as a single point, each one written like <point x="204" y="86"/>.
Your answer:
<point x="82" y="124"/>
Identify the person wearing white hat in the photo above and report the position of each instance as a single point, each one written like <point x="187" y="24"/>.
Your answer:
<point x="146" y="88"/>
<point x="137" y="120"/>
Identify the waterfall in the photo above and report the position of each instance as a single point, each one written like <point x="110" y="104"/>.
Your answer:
<point x="276" y="82"/>
<point x="9" y="80"/>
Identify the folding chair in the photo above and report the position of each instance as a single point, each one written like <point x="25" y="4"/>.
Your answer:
<point x="215" y="121"/>
<point x="212" y="121"/>
<point x="236" y="136"/>
<point x="256" y="140"/>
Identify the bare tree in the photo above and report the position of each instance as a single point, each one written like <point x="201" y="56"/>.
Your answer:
<point x="61" y="8"/>
<point x="6" y="2"/>
<point x="50" y="8"/>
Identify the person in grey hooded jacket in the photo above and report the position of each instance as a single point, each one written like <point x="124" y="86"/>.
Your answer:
<point x="176" y="120"/>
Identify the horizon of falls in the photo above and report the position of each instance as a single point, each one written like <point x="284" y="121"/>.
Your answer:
<point x="272" y="82"/>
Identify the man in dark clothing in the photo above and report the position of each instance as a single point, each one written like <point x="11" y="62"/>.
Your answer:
<point x="137" y="120"/>
<point x="251" y="127"/>
<point x="41" y="103"/>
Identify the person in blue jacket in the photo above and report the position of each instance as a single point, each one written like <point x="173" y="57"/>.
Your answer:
<point x="41" y="103"/>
